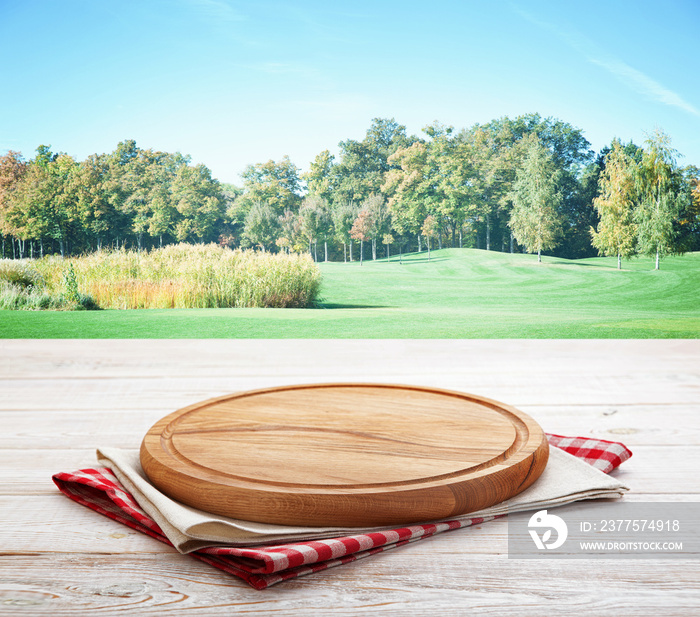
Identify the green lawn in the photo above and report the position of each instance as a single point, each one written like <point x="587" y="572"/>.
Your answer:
<point x="459" y="293"/>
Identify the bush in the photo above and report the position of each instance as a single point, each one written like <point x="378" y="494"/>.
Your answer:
<point x="186" y="276"/>
<point x="70" y="283"/>
<point x="20" y="273"/>
<point x="23" y="287"/>
<point x="30" y="298"/>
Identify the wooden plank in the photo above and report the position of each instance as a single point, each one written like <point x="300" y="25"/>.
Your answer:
<point x="34" y="524"/>
<point x="630" y="424"/>
<point x="27" y="472"/>
<point x="652" y="469"/>
<point x="389" y="584"/>
<point x="140" y="358"/>
<point x="662" y="470"/>
<point x="633" y="425"/>
<point x="55" y="524"/>
<point x="74" y="429"/>
<point x="518" y="389"/>
<point x="515" y="372"/>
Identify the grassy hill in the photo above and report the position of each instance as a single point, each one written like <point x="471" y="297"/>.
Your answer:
<point x="459" y="293"/>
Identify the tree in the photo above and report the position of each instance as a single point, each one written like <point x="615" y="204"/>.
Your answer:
<point x="569" y="148"/>
<point x="388" y="239"/>
<point x="117" y="187"/>
<point x="497" y="151"/>
<point x="535" y="219"/>
<point x="159" y="194"/>
<point x="429" y="230"/>
<point x="321" y="178"/>
<point x="12" y="169"/>
<point x="662" y="198"/>
<point x="361" y="229"/>
<point x="343" y="215"/>
<point x="99" y="217"/>
<point x="363" y="164"/>
<point x="135" y="178"/>
<point x="617" y="231"/>
<point x="234" y="214"/>
<point x="695" y="187"/>
<point x="43" y="204"/>
<point x="378" y="217"/>
<point x="688" y="223"/>
<point x="429" y="177"/>
<point x="289" y="230"/>
<point x="199" y="201"/>
<point x="172" y="195"/>
<point x="274" y="183"/>
<point x="314" y="221"/>
<point x="449" y="180"/>
<point x="490" y="157"/>
<point x="580" y="215"/>
<point x="571" y="152"/>
<point x="261" y="225"/>
<point x="405" y="186"/>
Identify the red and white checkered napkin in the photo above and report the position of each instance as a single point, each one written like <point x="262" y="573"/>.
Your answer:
<point x="598" y="453"/>
<point x="263" y="566"/>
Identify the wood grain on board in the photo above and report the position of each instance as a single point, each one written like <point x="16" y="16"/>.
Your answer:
<point x="353" y="455"/>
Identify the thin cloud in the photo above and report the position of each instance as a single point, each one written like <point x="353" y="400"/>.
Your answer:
<point x="644" y="84"/>
<point x="633" y="78"/>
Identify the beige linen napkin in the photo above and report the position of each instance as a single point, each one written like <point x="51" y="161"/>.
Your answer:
<point x="565" y="479"/>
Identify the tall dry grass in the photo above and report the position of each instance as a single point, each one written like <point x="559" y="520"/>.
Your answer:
<point x="23" y="287"/>
<point x="189" y="276"/>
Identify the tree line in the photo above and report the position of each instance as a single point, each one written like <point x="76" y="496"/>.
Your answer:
<point x="525" y="184"/>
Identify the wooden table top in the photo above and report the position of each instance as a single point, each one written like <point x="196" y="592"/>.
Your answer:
<point x="59" y="558"/>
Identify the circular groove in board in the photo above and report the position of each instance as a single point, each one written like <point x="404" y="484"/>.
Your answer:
<point x="348" y="455"/>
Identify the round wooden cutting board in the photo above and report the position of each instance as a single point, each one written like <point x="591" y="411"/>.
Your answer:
<point x="351" y="455"/>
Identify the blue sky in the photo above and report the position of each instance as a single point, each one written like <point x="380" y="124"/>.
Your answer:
<point x="238" y="82"/>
